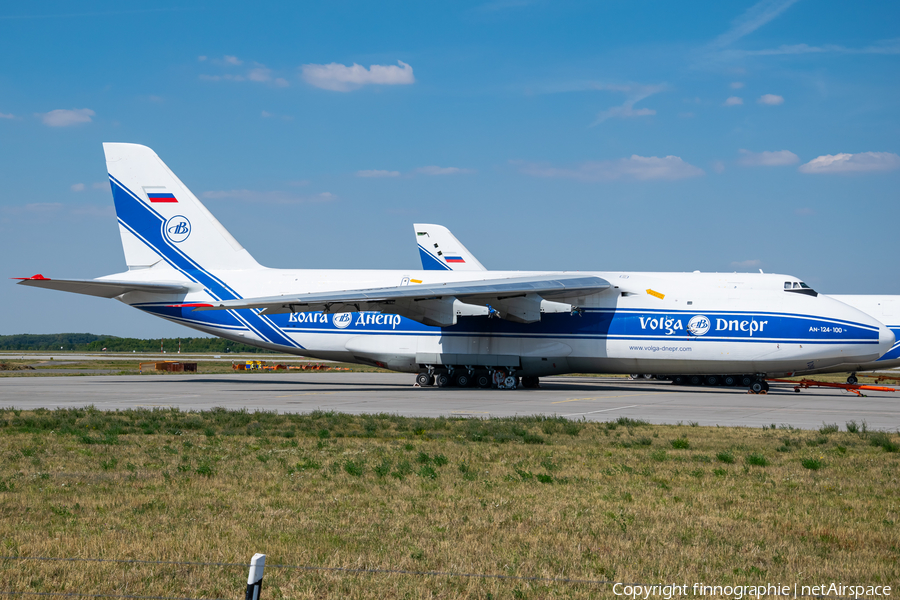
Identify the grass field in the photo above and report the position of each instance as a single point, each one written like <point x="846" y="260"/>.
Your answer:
<point x="528" y="497"/>
<point x="17" y="367"/>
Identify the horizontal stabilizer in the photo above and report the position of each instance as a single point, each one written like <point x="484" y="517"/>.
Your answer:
<point x="103" y="288"/>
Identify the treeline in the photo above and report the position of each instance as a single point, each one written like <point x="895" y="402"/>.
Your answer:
<point x="88" y="342"/>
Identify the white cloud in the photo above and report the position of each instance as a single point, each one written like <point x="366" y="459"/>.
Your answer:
<point x="884" y="47"/>
<point x="256" y="72"/>
<point x="771" y="99"/>
<point x="776" y="158"/>
<point x="377" y="173"/>
<point x="753" y="18"/>
<point x="635" y="93"/>
<point x="77" y="187"/>
<point x="624" y="111"/>
<point x="341" y="78"/>
<point x="64" y="118"/>
<point x="636" y="167"/>
<point x="734" y="101"/>
<point x="7" y="116"/>
<point x="260" y="74"/>
<point x="736" y="85"/>
<point x="746" y="264"/>
<point x="434" y="170"/>
<point x="267" y="197"/>
<point x="863" y="162"/>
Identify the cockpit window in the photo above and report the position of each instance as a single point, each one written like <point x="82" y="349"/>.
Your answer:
<point x="799" y="287"/>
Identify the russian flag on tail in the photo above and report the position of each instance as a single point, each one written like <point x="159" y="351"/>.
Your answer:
<point x="454" y="259"/>
<point x="163" y="197"/>
<point x="159" y="194"/>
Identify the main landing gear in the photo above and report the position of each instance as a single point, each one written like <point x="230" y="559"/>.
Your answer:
<point x="462" y="377"/>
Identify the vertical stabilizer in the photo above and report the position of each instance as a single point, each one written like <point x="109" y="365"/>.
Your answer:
<point x="441" y="251"/>
<point x="160" y="219"/>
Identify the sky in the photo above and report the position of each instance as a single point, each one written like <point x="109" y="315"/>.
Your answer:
<point x="564" y="135"/>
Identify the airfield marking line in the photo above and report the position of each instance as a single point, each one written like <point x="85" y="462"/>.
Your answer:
<point x="596" y="398"/>
<point x="600" y="411"/>
<point x="306" y="394"/>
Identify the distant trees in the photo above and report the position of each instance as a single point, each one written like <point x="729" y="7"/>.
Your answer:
<point x="89" y="342"/>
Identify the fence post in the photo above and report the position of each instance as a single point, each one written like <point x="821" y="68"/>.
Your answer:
<point x="254" y="580"/>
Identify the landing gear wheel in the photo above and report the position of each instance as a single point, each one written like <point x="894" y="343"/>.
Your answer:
<point x="530" y="382"/>
<point x="482" y="379"/>
<point x="647" y="376"/>
<point x="759" y="386"/>
<point x="678" y="380"/>
<point x="462" y="379"/>
<point x="712" y="380"/>
<point x="852" y="380"/>
<point x="746" y="381"/>
<point x="510" y="382"/>
<point x="730" y="380"/>
<point x="635" y="376"/>
<point x="442" y="379"/>
<point x="696" y="380"/>
<point x="424" y="380"/>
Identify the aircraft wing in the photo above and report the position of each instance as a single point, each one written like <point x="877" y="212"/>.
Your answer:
<point x="520" y="299"/>
<point x="103" y="288"/>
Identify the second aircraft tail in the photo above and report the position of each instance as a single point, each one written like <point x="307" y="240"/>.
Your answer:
<point x="441" y="251"/>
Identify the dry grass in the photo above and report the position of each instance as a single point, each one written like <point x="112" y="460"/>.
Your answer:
<point x="99" y="366"/>
<point x="537" y="496"/>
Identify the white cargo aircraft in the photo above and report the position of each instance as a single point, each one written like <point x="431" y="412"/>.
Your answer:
<point x="441" y="251"/>
<point x="462" y="327"/>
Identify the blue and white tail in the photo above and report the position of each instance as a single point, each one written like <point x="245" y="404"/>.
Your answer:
<point x="441" y="251"/>
<point x="161" y="220"/>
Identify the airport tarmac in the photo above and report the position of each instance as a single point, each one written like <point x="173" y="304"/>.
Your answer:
<point x="592" y="398"/>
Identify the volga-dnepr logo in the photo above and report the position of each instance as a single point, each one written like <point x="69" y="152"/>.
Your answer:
<point x="699" y="325"/>
<point x="342" y="320"/>
<point x="177" y="229"/>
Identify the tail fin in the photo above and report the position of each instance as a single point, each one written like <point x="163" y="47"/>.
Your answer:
<point x="441" y="251"/>
<point x="160" y="219"/>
